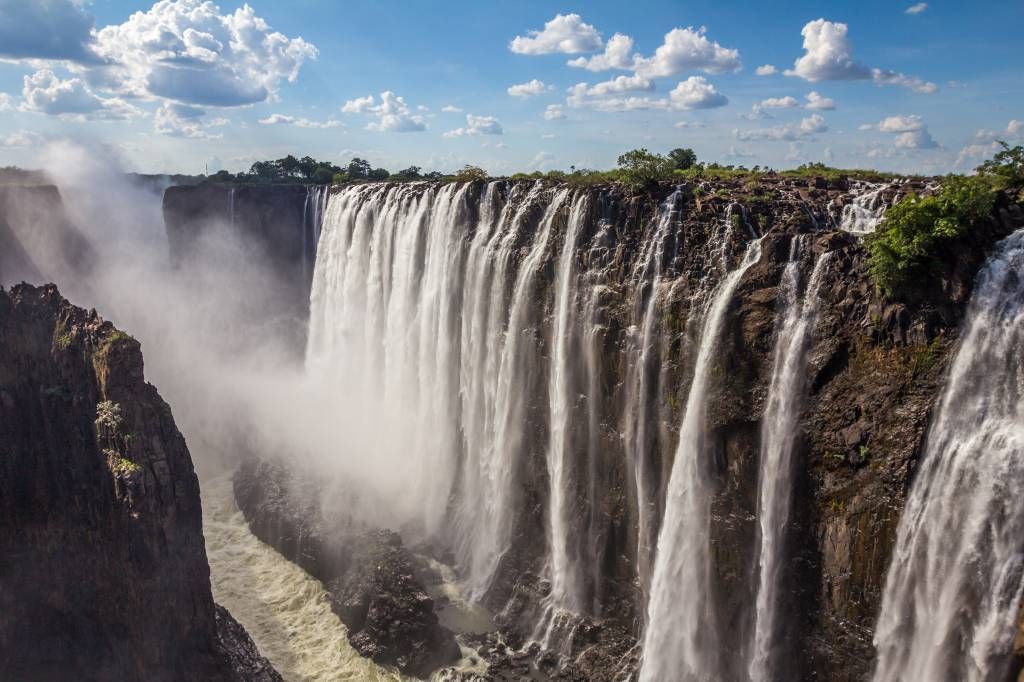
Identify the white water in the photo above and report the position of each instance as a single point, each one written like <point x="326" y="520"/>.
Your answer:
<point x="681" y="641"/>
<point x="866" y="210"/>
<point x="779" y="428"/>
<point x="644" y="360"/>
<point x="955" y="582"/>
<point x="285" y="611"/>
<point x="564" y="563"/>
<point x="428" y="319"/>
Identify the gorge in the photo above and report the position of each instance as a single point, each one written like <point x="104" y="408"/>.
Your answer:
<point x="547" y="431"/>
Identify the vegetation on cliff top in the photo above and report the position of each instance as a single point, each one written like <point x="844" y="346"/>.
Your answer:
<point x="908" y="248"/>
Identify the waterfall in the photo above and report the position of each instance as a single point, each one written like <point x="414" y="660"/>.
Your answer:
<point x="427" y="313"/>
<point x="312" y="212"/>
<point x="644" y="363"/>
<point x="866" y="210"/>
<point x="957" y="575"/>
<point x="231" y="206"/>
<point x="564" y="562"/>
<point x="681" y="639"/>
<point x="779" y="428"/>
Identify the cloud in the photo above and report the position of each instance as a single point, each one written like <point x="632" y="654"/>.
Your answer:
<point x="177" y="120"/>
<point x="886" y="77"/>
<point x="22" y="138"/>
<point x="543" y="161"/>
<point x="46" y="29"/>
<point x="529" y="89"/>
<point x="188" y="52"/>
<point x="554" y="112"/>
<point x="618" y="54"/>
<point x="766" y="70"/>
<point x="451" y="109"/>
<point x="547" y="136"/>
<point x="284" y="119"/>
<point x="477" y="125"/>
<point x="916" y="9"/>
<point x="819" y="102"/>
<point x="393" y="114"/>
<point x="5" y="102"/>
<point x="739" y="153"/>
<point x="693" y="93"/>
<point x="910" y="131"/>
<point x="793" y="131"/>
<point x="616" y="85"/>
<point x="45" y="93"/>
<point x="686" y="49"/>
<point x="689" y="124"/>
<point x="916" y="139"/>
<point x="786" y="102"/>
<point x="566" y="33"/>
<point x="359" y="105"/>
<point x="828" y="55"/>
<point x="696" y="93"/>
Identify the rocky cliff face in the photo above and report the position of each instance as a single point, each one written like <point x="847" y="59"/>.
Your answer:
<point x="104" y="573"/>
<point x="875" y="369"/>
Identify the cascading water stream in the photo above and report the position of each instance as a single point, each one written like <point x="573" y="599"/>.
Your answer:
<point x="779" y="428"/>
<point x="680" y="642"/>
<point x="564" y="563"/>
<point x="957" y="575"/>
<point x="642" y="372"/>
<point x="866" y="210"/>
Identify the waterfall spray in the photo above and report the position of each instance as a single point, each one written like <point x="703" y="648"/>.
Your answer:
<point x="779" y="428"/>
<point x="957" y="575"/>
<point x="681" y="641"/>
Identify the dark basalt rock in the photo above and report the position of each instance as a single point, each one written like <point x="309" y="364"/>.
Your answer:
<point x="370" y="577"/>
<point x="103" y="571"/>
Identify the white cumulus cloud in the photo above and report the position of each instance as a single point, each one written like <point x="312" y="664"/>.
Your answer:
<point x="451" y="109"/>
<point x="618" y="54"/>
<point x="393" y="114"/>
<point x="5" y="102"/>
<point x="819" y="102"/>
<point x="916" y="9"/>
<point x="910" y="131"/>
<point x="477" y="125"/>
<point x="696" y="93"/>
<point x="44" y="92"/>
<point x="187" y="51"/>
<point x="688" y="49"/>
<point x="766" y="70"/>
<point x="528" y="89"/>
<point x="814" y="123"/>
<point x="179" y="120"/>
<point x="554" y="112"/>
<point x="828" y="55"/>
<point x="566" y="33"/>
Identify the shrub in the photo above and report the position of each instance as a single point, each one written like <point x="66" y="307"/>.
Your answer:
<point x="639" y="168"/>
<point x="906" y="247"/>
<point x="470" y="174"/>
<point x="1006" y="168"/>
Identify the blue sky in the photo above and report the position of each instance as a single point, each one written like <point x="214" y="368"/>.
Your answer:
<point x="177" y="85"/>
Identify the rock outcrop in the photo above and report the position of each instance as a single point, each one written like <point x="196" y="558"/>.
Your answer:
<point x="103" y="573"/>
<point x="370" y="577"/>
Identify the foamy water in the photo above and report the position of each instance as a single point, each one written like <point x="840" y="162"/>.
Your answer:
<point x="284" y="610"/>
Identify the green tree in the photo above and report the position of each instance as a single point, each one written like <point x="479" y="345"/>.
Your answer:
<point x="470" y="174"/>
<point x="640" y="167"/>
<point x="1006" y="168"/>
<point x="378" y="174"/>
<point x="410" y="172"/>
<point x="682" y="158"/>
<point x="358" y="168"/>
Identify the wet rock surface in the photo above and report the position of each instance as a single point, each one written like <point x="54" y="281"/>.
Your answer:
<point x="103" y="572"/>
<point x="370" y="576"/>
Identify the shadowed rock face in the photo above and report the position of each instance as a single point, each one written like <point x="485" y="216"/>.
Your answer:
<point x="370" y="577"/>
<point x="103" y="573"/>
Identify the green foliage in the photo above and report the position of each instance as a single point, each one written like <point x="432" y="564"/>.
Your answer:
<point x="470" y="174"/>
<point x="411" y="173"/>
<point x="905" y="249"/>
<point x="682" y="158"/>
<point x="119" y="465"/>
<point x="339" y="178"/>
<point x="639" y="168"/>
<point x="359" y="169"/>
<point x="1006" y="168"/>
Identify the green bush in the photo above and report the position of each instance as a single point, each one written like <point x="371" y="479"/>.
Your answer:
<point x="639" y="168"/>
<point x="1006" y="168"/>
<point x="905" y="249"/>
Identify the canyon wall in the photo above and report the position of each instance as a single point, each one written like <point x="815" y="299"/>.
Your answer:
<point x="104" y="573"/>
<point x="561" y="328"/>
